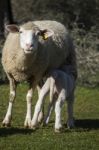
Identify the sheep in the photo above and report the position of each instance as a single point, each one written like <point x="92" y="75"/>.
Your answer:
<point x="30" y="52"/>
<point x="61" y="85"/>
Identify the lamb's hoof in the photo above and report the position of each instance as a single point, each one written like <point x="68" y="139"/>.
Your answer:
<point x="27" y="123"/>
<point x="71" y="127"/>
<point x="40" y="118"/>
<point x="33" y="127"/>
<point x="70" y="124"/>
<point x="58" y="130"/>
<point x="6" y="123"/>
<point x="44" y="123"/>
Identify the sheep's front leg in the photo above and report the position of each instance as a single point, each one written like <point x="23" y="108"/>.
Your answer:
<point x="70" y="120"/>
<point x="41" y="114"/>
<point x="39" y="104"/>
<point x="7" y="119"/>
<point x="27" y="122"/>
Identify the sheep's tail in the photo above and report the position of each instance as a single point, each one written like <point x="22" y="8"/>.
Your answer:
<point x="71" y="59"/>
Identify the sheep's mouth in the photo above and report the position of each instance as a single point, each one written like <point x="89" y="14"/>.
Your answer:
<point x="28" y="51"/>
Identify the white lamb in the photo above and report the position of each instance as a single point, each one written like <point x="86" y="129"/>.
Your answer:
<point x="61" y="86"/>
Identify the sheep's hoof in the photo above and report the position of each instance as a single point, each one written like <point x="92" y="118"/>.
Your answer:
<point x="7" y="121"/>
<point x="27" y="126"/>
<point x="58" y="130"/>
<point x="27" y="123"/>
<point x="6" y="124"/>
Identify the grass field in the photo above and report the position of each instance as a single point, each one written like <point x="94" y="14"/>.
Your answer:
<point x="85" y="136"/>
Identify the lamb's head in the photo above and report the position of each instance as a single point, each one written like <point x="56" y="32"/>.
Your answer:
<point x="29" y="35"/>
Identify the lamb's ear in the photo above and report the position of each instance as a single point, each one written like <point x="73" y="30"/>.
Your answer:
<point x="12" y="28"/>
<point x="46" y="33"/>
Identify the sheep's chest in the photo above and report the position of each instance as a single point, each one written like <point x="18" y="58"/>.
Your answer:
<point x="22" y="75"/>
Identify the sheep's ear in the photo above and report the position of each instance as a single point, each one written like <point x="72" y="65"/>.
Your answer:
<point x="12" y="28"/>
<point x="46" y="33"/>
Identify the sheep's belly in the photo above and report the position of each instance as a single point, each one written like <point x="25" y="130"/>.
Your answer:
<point x="20" y="76"/>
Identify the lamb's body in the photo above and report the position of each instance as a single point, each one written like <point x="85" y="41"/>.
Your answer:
<point x="61" y="86"/>
<point x="49" y="54"/>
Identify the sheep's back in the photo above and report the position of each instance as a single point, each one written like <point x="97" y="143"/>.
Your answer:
<point x="58" y="45"/>
<point x="51" y="53"/>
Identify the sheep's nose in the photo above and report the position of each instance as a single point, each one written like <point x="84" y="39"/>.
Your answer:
<point x="29" y="45"/>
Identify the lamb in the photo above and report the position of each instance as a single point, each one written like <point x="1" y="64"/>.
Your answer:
<point x="31" y="51"/>
<point x="61" y="86"/>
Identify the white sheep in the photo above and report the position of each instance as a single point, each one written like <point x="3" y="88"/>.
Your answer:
<point x="32" y="50"/>
<point x="61" y="86"/>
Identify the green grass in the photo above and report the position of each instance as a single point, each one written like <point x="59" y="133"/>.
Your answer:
<point x="85" y="136"/>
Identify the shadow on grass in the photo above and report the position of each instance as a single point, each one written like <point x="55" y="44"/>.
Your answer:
<point x="11" y="131"/>
<point x="81" y="125"/>
<point x="87" y="124"/>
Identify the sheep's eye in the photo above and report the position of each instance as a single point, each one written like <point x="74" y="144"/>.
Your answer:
<point x="37" y="33"/>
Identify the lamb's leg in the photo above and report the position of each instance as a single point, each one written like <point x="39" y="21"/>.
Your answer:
<point x="41" y="115"/>
<point x="52" y="101"/>
<point x="47" y="117"/>
<point x="70" y="120"/>
<point x="27" y="122"/>
<point x="7" y="119"/>
<point x="39" y="104"/>
<point x="58" y="106"/>
<point x="51" y="106"/>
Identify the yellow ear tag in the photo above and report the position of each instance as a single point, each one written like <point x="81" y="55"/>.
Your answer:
<point x="45" y="37"/>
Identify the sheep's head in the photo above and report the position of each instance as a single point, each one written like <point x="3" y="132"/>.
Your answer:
<point x="29" y="36"/>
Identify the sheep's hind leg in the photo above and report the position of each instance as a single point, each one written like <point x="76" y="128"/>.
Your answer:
<point x="27" y="122"/>
<point x="7" y="120"/>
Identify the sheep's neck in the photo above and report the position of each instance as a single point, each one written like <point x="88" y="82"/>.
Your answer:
<point x="24" y="61"/>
